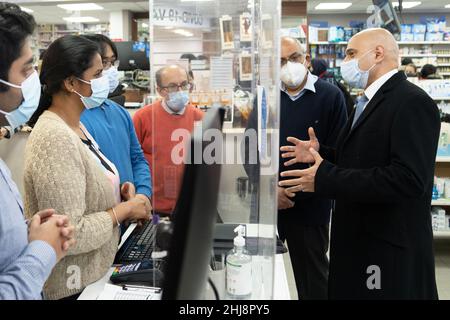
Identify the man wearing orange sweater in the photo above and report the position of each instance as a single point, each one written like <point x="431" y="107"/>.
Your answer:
<point x="156" y="123"/>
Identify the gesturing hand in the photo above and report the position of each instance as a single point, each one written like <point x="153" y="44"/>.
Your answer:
<point x="299" y="152"/>
<point x="305" y="179"/>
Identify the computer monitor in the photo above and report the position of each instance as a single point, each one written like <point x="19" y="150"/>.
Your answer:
<point x="389" y="19"/>
<point x="194" y="219"/>
<point x="133" y="55"/>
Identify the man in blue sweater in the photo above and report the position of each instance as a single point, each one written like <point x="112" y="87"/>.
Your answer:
<point x="303" y="220"/>
<point x="112" y="128"/>
<point x="27" y="253"/>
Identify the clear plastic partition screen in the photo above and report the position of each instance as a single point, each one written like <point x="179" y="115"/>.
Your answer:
<point x="230" y="52"/>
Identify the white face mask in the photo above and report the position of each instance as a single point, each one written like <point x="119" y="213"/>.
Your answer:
<point x="353" y="75"/>
<point x="31" y="92"/>
<point x="113" y="76"/>
<point x="100" y="90"/>
<point x="293" y="74"/>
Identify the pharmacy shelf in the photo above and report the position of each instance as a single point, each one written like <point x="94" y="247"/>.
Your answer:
<point x="443" y="65"/>
<point x="440" y="98"/>
<point x="440" y="202"/>
<point x="425" y="55"/>
<point x="444" y="73"/>
<point x="67" y="31"/>
<point x="419" y="55"/>
<point x="399" y="42"/>
<point x="441" y="233"/>
<point x="321" y="43"/>
<point x="422" y="42"/>
<point x="442" y="159"/>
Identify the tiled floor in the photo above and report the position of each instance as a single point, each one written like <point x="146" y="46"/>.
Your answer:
<point x="442" y="259"/>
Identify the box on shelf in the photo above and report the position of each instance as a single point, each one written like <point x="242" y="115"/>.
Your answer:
<point x="313" y="34"/>
<point x="435" y="24"/>
<point x="419" y="28"/>
<point x="446" y="36"/>
<point x="406" y="28"/>
<point x="420" y="62"/>
<point x="436" y="88"/>
<point x="322" y="35"/>
<point x="438" y="219"/>
<point x="336" y="34"/>
<point x="406" y="37"/>
<point x="440" y="187"/>
<point x="432" y="26"/>
<point x="419" y="37"/>
<point x="348" y="33"/>
<point x="434" y="36"/>
<point x="443" y="146"/>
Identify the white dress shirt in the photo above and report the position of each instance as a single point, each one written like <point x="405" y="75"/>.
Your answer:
<point x="376" y="85"/>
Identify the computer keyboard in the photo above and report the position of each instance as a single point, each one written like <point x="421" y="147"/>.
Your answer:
<point x="138" y="246"/>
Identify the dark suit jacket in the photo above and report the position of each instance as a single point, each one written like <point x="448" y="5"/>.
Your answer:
<point x="381" y="175"/>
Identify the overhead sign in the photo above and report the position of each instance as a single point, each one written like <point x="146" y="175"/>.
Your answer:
<point x="178" y="17"/>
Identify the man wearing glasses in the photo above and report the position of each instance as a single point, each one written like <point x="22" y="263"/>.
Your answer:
<point x="303" y="219"/>
<point x="112" y="128"/>
<point x="160" y="128"/>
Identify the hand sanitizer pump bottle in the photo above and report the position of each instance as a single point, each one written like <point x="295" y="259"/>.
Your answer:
<point x="239" y="268"/>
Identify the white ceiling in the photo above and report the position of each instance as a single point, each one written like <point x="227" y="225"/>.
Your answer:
<point x="360" y="6"/>
<point x="46" y="11"/>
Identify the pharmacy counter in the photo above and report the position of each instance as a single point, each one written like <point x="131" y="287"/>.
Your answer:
<point x="281" y="288"/>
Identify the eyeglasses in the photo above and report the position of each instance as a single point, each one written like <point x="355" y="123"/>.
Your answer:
<point x="108" y="64"/>
<point x="293" y="58"/>
<point x="175" y="87"/>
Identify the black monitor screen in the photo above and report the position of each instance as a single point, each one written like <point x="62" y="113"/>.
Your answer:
<point x="133" y="55"/>
<point x="389" y="19"/>
<point x="194" y="218"/>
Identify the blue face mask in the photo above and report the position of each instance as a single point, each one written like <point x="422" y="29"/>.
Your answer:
<point x="100" y="91"/>
<point x="178" y="101"/>
<point x="31" y="92"/>
<point x="353" y="75"/>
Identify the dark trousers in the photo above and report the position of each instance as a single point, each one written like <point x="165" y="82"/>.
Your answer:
<point x="308" y="246"/>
